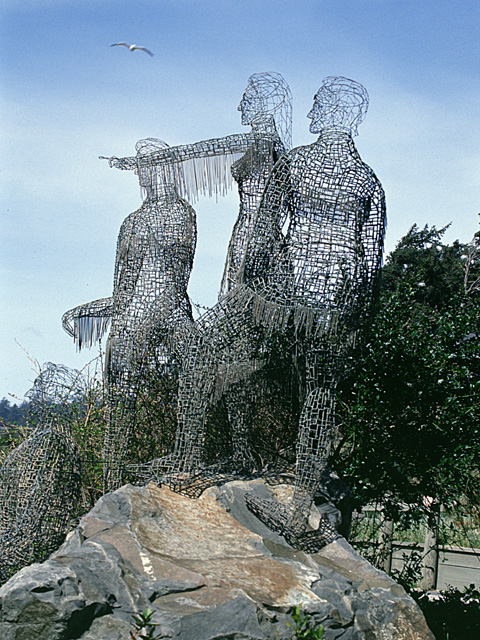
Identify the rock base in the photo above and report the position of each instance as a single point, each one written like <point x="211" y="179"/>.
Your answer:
<point x="207" y="568"/>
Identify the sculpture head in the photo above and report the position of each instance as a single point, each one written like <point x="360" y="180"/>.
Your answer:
<point x="268" y="97"/>
<point x="339" y="104"/>
<point x="55" y="393"/>
<point x="154" y="178"/>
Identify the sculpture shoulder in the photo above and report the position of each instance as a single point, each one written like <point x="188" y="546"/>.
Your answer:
<point x="300" y="154"/>
<point x="370" y="178"/>
<point x="300" y="157"/>
<point x="128" y="224"/>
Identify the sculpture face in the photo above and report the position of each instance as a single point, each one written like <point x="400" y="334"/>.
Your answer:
<point x="339" y="104"/>
<point x="251" y="106"/>
<point x="267" y="99"/>
<point x="322" y="114"/>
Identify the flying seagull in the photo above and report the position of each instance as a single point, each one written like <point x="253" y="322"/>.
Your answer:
<point x="132" y="47"/>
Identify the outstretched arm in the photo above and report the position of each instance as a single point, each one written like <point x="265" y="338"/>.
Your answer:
<point x="237" y="143"/>
<point x="88" y="322"/>
<point x="204" y="167"/>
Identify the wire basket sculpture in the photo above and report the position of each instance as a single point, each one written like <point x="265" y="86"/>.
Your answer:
<point x="149" y="310"/>
<point x="208" y="167"/>
<point x="266" y="106"/>
<point x="310" y="267"/>
<point x="40" y="479"/>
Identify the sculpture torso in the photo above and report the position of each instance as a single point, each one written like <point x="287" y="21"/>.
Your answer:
<point x="251" y="173"/>
<point x="308" y="245"/>
<point x="155" y="251"/>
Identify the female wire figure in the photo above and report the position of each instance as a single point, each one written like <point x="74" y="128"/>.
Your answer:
<point x="310" y="266"/>
<point x="267" y="107"/>
<point x="208" y="166"/>
<point x="150" y="308"/>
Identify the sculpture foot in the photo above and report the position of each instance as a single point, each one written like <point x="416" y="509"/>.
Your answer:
<point x="238" y="464"/>
<point x="312" y="541"/>
<point x="278" y="517"/>
<point x="170" y="470"/>
<point x="291" y="524"/>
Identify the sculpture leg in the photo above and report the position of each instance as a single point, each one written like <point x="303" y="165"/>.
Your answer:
<point x="222" y="337"/>
<point x="196" y="386"/>
<point x="213" y="342"/>
<point x="239" y="402"/>
<point x="197" y="375"/>
<point x="122" y="382"/>
<point x="120" y="423"/>
<point x="316" y="434"/>
<point x="126" y="359"/>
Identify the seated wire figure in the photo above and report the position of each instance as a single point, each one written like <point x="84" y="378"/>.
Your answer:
<point x="150" y="309"/>
<point x="310" y="265"/>
<point x="266" y="107"/>
<point x="40" y="479"/>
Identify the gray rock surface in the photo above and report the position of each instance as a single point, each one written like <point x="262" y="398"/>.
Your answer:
<point x="210" y="571"/>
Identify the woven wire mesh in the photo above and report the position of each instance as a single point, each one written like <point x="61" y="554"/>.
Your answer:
<point x="149" y="310"/>
<point x="303" y="259"/>
<point x="310" y="266"/>
<point x="40" y="479"/>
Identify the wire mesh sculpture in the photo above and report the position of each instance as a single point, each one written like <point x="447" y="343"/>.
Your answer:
<point x="150" y="307"/>
<point x="267" y="107"/>
<point x="40" y="479"/>
<point x="332" y="208"/>
<point x="310" y="267"/>
<point x="207" y="167"/>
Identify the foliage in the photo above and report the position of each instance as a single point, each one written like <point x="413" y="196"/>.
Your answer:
<point x="413" y="407"/>
<point x="434" y="270"/>
<point x="12" y="414"/>
<point x="454" y="615"/>
<point x="471" y="280"/>
<point x="410" y="413"/>
<point x="143" y="627"/>
<point x="410" y="573"/>
<point x="87" y="425"/>
<point x="11" y="437"/>
<point x="155" y="418"/>
<point x="302" y="625"/>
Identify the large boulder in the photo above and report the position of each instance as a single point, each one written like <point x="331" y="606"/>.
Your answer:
<point x="207" y="568"/>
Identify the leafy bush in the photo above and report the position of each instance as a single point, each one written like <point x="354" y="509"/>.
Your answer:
<point x="410" y="413"/>
<point x="454" y="615"/>
<point x="302" y="626"/>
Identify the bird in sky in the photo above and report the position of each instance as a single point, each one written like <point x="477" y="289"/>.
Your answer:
<point x="132" y="47"/>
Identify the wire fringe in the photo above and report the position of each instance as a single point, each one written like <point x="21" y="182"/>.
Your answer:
<point x="89" y="330"/>
<point x="210" y="175"/>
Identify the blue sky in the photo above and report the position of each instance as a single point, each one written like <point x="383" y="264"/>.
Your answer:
<point x="67" y="97"/>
